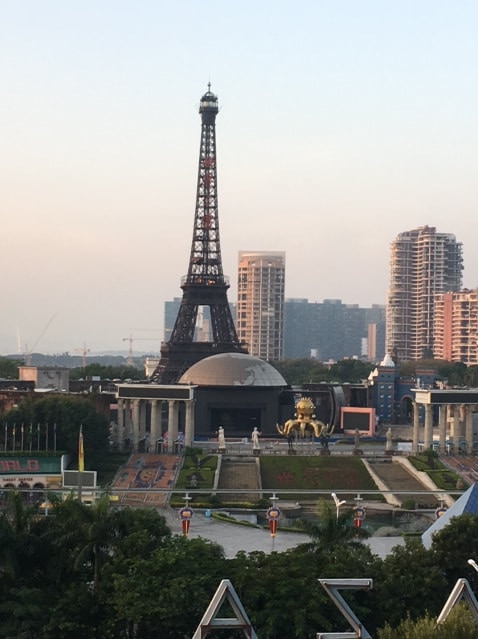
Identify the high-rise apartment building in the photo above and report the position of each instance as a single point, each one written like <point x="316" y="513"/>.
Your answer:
<point x="423" y="263"/>
<point x="456" y="327"/>
<point x="260" y="303"/>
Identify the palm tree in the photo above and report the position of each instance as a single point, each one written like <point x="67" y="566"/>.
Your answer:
<point x="83" y="536"/>
<point x="18" y="543"/>
<point x="333" y="529"/>
<point x="87" y="537"/>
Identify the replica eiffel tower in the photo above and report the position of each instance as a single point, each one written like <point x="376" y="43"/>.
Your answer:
<point x="205" y="284"/>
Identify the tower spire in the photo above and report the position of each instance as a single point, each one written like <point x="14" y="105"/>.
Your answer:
<point x="204" y="284"/>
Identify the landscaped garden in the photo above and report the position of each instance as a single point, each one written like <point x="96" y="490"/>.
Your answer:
<point x="443" y="477"/>
<point x="315" y="473"/>
<point x="197" y="471"/>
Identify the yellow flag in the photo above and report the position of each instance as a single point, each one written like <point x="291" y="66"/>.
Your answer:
<point x="81" y="452"/>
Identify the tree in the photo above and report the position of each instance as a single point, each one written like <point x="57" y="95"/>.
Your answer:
<point x="330" y="530"/>
<point x="88" y="537"/>
<point x="164" y="593"/>
<point x="454" y="544"/>
<point x="18" y="543"/>
<point x="458" y="625"/>
<point x="281" y="593"/>
<point x="9" y="367"/>
<point x="107" y="372"/>
<point x="409" y="582"/>
<point x="23" y="557"/>
<point x="351" y="370"/>
<point x="63" y="416"/>
<point x="305" y="371"/>
<point x="471" y="376"/>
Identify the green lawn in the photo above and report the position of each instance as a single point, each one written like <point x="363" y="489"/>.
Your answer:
<point x="442" y="476"/>
<point x="315" y="473"/>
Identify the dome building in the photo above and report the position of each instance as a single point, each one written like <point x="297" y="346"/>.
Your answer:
<point x="235" y="391"/>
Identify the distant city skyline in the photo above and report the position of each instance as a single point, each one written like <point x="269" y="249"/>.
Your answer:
<point x="340" y="125"/>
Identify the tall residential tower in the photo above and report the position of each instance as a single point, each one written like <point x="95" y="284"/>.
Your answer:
<point x="423" y="263"/>
<point x="260" y="303"/>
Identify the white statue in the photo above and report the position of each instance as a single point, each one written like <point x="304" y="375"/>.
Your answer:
<point x="389" y="444"/>
<point x="221" y="438"/>
<point x="357" y="438"/>
<point x="255" y="438"/>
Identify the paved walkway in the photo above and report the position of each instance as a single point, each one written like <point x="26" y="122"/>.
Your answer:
<point x="234" y="538"/>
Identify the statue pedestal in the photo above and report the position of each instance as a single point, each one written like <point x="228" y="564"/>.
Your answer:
<point x="291" y="451"/>
<point x="256" y="452"/>
<point x="358" y="451"/>
<point x="221" y="451"/>
<point x="324" y="451"/>
<point x="389" y="453"/>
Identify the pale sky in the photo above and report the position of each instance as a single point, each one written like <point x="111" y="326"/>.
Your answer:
<point x="341" y="124"/>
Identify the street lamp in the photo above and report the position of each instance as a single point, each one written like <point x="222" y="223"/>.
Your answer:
<point x="473" y="563"/>
<point x="338" y="503"/>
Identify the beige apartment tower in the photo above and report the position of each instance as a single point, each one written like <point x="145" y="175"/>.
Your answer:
<point x="423" y="264"/>
<point x="260" y="303"/>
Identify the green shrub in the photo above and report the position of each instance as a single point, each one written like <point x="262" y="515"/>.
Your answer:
<point x="459" y="624"/>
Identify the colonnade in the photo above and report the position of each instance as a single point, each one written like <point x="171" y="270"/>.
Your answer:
<point x="133" y="422"/>
<point x="459" y="434"/>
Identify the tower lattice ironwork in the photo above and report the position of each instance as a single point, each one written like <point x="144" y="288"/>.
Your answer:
<point x="205" y="283"/>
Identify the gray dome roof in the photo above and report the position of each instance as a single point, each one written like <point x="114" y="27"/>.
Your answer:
<point x="232" y="369"/>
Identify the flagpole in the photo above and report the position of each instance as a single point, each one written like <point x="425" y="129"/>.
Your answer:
<point x="81" y="463"/>
<point x="22" y="436"/>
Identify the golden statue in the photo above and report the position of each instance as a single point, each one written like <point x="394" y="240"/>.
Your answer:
<point x="304" y="423"/>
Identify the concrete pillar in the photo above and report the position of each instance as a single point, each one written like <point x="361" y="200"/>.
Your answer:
<point x="469" y="429"/>
<point x="155" y="423"/>
<point x="189" y="425"/>
<point x="442" y="427"/>
<point x="136" y="409"/>
<point x="120" y="420"/>
<point x="172" y="424"/>
<point x="128" y="428"/>
<point x="416" y="427"/>
<point x="142" y="418"/>
<point x="428" y="434"/>
<point x="456" y="429"/>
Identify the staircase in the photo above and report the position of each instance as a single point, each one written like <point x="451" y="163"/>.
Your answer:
<point x="239" y="473"/>
<point x="396" y="477"/>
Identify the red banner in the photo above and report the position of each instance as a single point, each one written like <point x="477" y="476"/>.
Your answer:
<point x="185" y="515"/>
<point x="273" y="515"/>
<point x="273" y="527"/>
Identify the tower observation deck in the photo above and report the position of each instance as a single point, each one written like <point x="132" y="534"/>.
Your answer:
<point x="204" y="284"/>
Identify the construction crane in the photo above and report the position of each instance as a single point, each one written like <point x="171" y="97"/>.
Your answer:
<point x="132" y="339"/>
<point x="28" y="352"/>
<point x="84" y="352"/>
